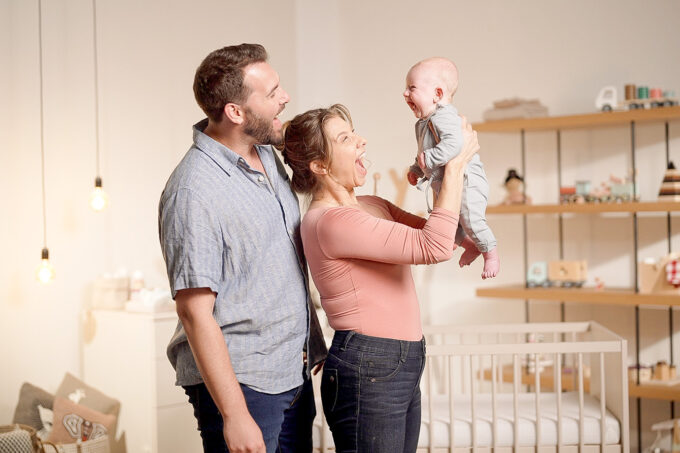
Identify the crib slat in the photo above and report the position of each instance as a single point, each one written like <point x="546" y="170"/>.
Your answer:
<point x="494" y="416"/>
<point x="573" y="364"/>
<point x="558" y="394"/>
<point x="430" y="402"/>
<point x="603" y="404"/>
<point x="515" y="400"/>
<point x="580" y="401"/>
<point x="473" y="404"/>
<point x="537" y="386"/>
<point x="452" y="440"/>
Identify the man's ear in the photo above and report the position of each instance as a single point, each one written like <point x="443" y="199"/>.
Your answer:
<point x="317" y="167"/>
<point x="234" y="113"/>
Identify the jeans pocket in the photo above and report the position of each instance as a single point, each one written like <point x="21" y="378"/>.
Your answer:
<point x="329" y="390"/>
<point x="376" y="368"/>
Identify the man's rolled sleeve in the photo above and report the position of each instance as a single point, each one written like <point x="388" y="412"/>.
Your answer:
<point x="192" y="242"/>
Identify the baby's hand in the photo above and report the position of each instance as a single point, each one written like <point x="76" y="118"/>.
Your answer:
<point x="421" y="160"/>
<point x="412" y="178"/>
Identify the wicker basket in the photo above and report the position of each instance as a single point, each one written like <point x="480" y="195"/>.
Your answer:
<point x="98" y="445"/>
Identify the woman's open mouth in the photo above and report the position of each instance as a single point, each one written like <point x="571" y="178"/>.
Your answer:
<point x="360" y="164"/>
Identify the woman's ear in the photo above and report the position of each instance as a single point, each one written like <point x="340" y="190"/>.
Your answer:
<point x="234" y="113"/>
<point x="317" y="167"/>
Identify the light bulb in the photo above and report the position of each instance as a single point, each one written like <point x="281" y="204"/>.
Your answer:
<point x="98" y="198"/>
<point x="45" y="272"/>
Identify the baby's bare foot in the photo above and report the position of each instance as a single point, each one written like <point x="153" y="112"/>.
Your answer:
<point x="492" y="264"/>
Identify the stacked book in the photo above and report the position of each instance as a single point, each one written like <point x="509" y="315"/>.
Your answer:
<point x="515" y="108"/>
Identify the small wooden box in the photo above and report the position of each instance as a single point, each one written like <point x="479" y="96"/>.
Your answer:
<point x="653" y="277"/>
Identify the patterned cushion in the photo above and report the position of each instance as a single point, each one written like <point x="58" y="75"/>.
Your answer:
<point x="17" y="441"/>
<point x="73" y="421"/>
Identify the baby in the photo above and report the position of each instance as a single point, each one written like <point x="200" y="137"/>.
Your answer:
<point x="430" y="86"/>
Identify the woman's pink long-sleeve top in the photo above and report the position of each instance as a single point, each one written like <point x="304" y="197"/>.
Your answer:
<point x="360" y="263"/>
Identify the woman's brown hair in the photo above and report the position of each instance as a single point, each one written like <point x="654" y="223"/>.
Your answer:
<point x="305" y="140"/>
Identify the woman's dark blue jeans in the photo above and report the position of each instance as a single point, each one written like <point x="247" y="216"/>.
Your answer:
<point x="370" y="393"/>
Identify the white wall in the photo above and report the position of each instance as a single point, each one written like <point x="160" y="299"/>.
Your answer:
<point x="349" y="51"/>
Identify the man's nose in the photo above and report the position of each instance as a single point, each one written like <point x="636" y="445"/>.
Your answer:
<point x="285" y="98"/>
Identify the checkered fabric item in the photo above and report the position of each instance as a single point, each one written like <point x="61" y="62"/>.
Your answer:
<point x="17" y="441"/>
<point x="673" y="272"/>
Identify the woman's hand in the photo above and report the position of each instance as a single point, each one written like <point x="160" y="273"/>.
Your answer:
<point x="470" y="146"/>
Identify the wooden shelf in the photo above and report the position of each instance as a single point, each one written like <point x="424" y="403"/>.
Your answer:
<point x="586" y="208"/>
<point x="547" y="377"/>
<point x="583" y="295"/>
<point x="589" y="120"/>
<point x="569" y="384"/>
<point x="654" y="391"/>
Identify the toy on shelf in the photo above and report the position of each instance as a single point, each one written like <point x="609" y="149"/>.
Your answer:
<point x="660" y="276"/>
<point x="663" y="371"/>
<point x="645" y="372"/>
<point x="640" y="98"/>
<point x="660" y="373"/>
<point x="566" y="274"/>
<point x="514" y="184"/>
<point x="664" y="430"/>
<point x="670" y="187"/>
<point x="613" y="191"/>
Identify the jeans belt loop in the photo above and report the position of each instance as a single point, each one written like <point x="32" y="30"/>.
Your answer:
<point x="348" y="337"/>
<point x="404" y="351"/>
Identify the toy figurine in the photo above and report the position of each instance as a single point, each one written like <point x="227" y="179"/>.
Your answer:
<point x="514" y="185"/>
<point x="670" y="187"/>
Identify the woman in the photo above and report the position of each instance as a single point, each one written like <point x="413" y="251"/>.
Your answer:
<point x="359" y="251"/>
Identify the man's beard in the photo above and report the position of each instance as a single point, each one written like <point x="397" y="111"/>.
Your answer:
<point x="261" y="129"/>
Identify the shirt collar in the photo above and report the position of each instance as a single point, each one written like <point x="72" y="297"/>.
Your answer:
<point x="220" y="154"/>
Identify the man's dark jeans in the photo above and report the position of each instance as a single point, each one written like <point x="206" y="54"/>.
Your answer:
<point x="370" y="393"/>
<point x="285" y="418"/>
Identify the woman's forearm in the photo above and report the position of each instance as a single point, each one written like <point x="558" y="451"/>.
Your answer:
<point x="451" y="192"/>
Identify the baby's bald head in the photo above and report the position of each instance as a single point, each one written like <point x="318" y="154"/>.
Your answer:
<point x="441" y="71"/>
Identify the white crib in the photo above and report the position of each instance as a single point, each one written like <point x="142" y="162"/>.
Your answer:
<point x="486" y="374"/>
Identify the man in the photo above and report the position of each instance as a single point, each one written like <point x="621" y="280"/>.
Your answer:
<point x="229" y="231"/>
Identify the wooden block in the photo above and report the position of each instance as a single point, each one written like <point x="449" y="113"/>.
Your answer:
<point x="653" y="277"/>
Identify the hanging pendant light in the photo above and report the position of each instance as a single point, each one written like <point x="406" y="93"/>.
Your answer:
<point x="98" y="198"/>
<point x="45" y="272"/>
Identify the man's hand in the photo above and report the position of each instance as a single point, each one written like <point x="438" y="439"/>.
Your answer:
<point x="412" y="178"/>
<point x="242" y="435"/>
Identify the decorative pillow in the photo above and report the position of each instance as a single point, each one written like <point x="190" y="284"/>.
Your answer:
<point x="47" y="418"/>
<point x="73" y="421"/>
<point x="81" y="393"/>
<point x="26" y="411"/>
<point x="16" y="441"/>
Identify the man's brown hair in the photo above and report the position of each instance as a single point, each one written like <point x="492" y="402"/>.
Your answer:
<point x="219" y="78"/>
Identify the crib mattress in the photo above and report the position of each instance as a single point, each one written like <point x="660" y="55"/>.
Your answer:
<point x="504" y="407"/>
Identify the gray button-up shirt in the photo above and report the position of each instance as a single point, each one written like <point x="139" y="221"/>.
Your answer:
<point x="235" y="230"/>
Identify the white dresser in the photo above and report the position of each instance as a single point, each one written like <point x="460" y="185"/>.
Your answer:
<point x="126" y="359"/>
